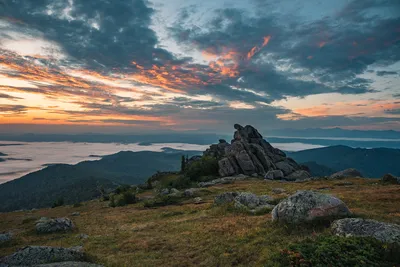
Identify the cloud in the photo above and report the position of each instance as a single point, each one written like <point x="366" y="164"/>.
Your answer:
<point x="393" y="111"/>
<point x="384" y="73"/>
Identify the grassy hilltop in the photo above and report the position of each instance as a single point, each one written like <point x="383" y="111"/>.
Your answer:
<point x="188" y="234"/>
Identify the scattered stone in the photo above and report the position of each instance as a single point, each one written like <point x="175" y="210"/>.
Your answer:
<point x="174" y="191"/>
<point x="348" y="173"/>
<point x="390" y="179"/>
<point x="224" y="180"/>
<point x="5" y="237"/>
<point x="274" y="175"/>
<point x="46" y="225"/>
<point x="164" y="191"/>
<point x="191" y="192"/>
<point x="298" y="175"/>
<point x="245" y="201"/>
<point x="278" y="190"/>
<point x="83" y="236"/>
<point x="76" y="213"/>
<point x="385" y="232"/>
<point x="225" y="198"/>
<point x="198" y="200"/>
<point x="306" y="206"/>
<point x="34" y="255"/>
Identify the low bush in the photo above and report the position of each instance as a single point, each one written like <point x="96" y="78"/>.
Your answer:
<point x="163" y="201"/>
<point x="122" y="199"/>
<point x="59" y="202"/>
<point x="329" y="250"/>
<point x="206" y="166"/>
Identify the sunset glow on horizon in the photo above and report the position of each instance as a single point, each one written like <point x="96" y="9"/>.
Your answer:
<point x="175" y="66"/>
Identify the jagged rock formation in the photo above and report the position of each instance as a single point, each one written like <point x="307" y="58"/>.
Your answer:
<point x="250" y="154"/>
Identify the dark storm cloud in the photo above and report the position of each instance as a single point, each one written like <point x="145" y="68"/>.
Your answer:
<point x="100" y="33"/>
<point x="333" y="50"/>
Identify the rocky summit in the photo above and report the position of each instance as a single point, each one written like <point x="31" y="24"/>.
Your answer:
<point x="250" y="154"/>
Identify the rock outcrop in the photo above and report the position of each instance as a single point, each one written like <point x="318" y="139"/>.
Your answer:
<point x="307" y="206"/>
<point x="47" y="225"/>
<point x="390" y="179"/>
<point x="348" y="173"/>
<point x="249" y="154"/>
<point x="35" y="255"/>
<point x="385" y="232"/>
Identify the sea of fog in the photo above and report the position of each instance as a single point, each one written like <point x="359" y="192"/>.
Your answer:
<point x="25" y="157"/>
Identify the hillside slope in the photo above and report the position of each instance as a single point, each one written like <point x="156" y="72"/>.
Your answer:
<point x="75" y="183"/>
<point x="372" y="163"/>
<point x="189" y="234"/>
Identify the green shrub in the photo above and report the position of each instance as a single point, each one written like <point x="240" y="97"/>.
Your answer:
<point x="123" y="199"/>
<point x="181" y="182"/>
<point x="122" y="188"/>
<point x="77" y="205"/>
<point x="206" y="166"/>
<point x="162" y="201"/>
<point x="337" y="251"/>
<point x="59" y="202"/>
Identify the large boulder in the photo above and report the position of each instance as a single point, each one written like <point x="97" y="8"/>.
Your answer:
<point x="348" y="173"/>
<point x="385" y="232"/>
<point x="307" y="206"/>
<point x="390" y="179"/>
<point x="225" y="198"/>
<point x="34" y="255"/>
<point x="47" y="225"/>
<point x="250" y="154"/>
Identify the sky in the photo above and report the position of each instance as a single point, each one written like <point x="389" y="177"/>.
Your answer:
<point x="189" y="65"/>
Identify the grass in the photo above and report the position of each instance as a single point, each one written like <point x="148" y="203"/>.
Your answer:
<point x="194" y="234"/>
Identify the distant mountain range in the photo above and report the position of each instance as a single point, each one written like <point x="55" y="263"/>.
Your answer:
<point x="372" y="163"/>
<point x="76" y="183"/>
<point x="334" y="132"/>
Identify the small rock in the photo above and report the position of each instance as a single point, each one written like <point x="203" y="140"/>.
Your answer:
<point x="76" y="213"/>
<point x="306" y="206"/>
<point x="278" y="190"/>
<point x="198" y="200"/>
<point x="298" y="175"/>
<point x="274" y="175"/>
<point x="46" y="225"/>
<point x="385" y="232"/>
<point x="83" y="236"/>
<point x="164" y="191"/>
<point x="5" y="237"/>
<point x="190" y="192"/>
<point x="348" y="173"/>
<point x="247" y="199"/>
<point x="225" y="198"/>
<point x="174" y="191"/>
<point x="390" y="179"/>
<point x="33" y="255"/>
